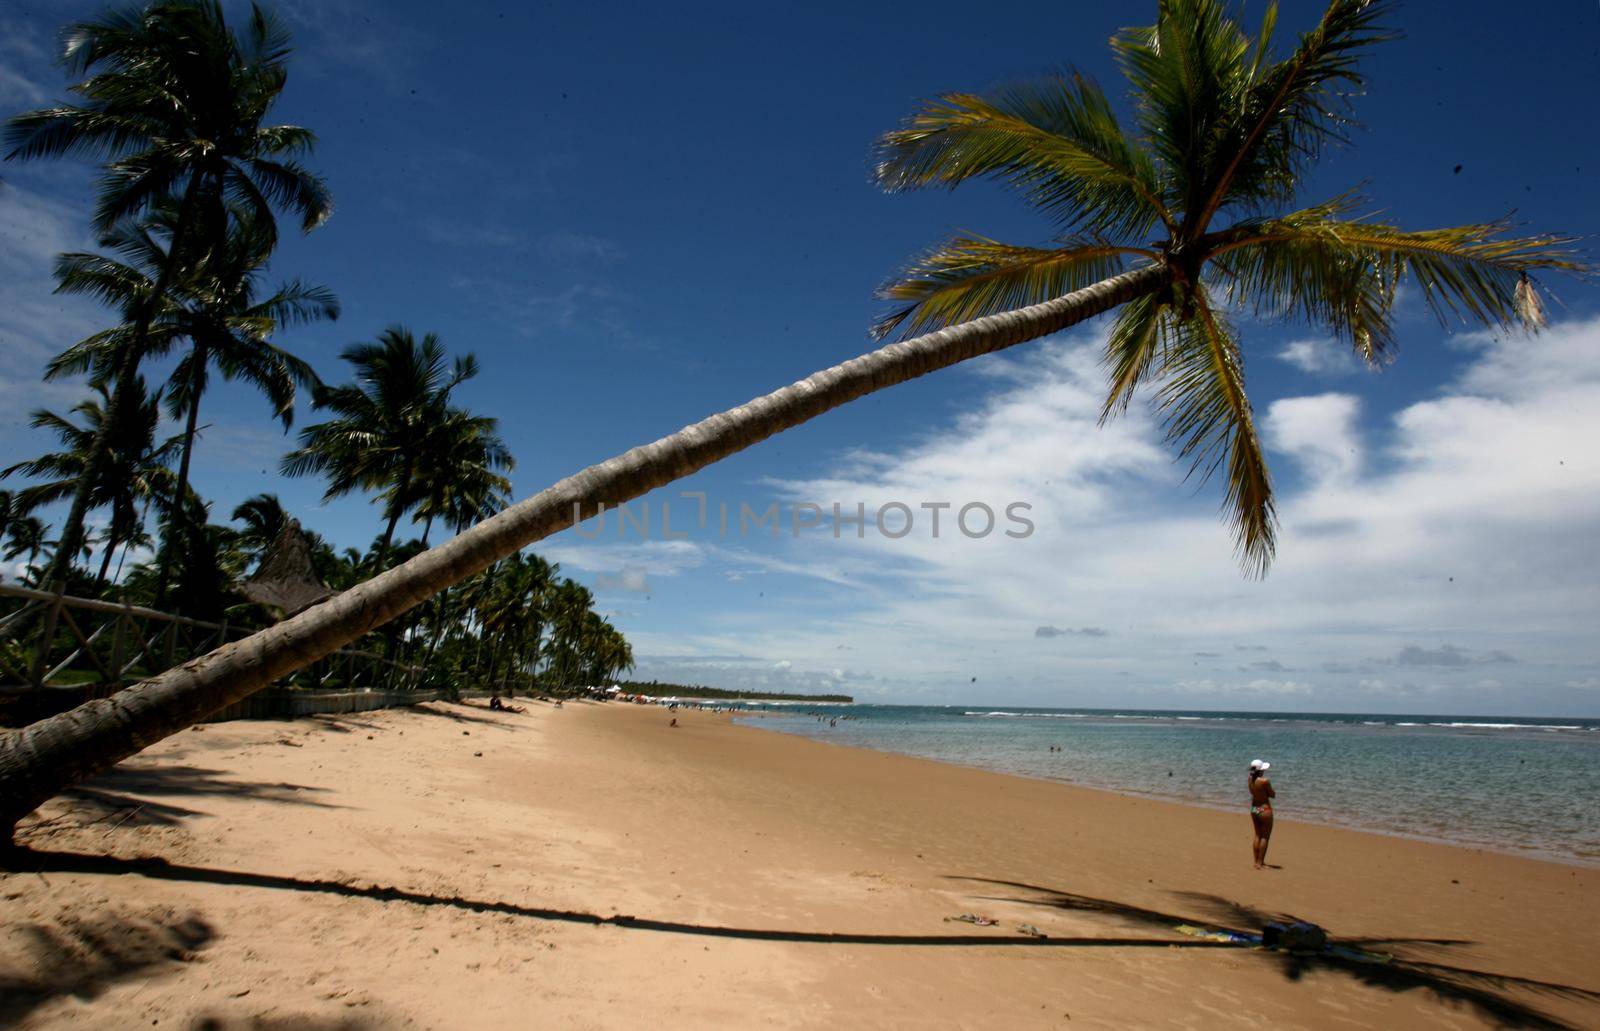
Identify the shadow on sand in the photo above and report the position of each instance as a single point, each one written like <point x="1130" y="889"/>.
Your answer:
<point x="128" y="796"/>
<point x="1486" y="992"/>
<point x="83" y="958"/>
<point x="1482" y="990"/>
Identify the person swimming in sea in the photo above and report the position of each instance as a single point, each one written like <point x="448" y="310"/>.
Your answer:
<point x="1261" y="796"/>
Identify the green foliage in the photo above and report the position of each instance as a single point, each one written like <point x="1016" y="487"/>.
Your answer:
<point x="136" y="473"/>
<point x="394" y="432"/>
<point x="173" y="102"/>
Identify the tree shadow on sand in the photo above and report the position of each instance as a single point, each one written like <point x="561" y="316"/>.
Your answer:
<point x="1484" y="991"/>
<point x="455" y="715"/>
<point x="1487" y="992"/>
<point x="83" y="958"/>
<point x="293" y="1022"/>
<point x="131" y="796"/>
<point x="33" y="860"/>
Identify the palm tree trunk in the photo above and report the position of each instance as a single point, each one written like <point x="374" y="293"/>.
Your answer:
<point x="127" y="369"/>
<point x="44" y="758"/>
<point x="394" y="518"/>
<point x="105" y="560"/>
<point x="178" y="511"/>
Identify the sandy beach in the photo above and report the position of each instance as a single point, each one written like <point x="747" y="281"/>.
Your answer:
<point x="592" y="866"/>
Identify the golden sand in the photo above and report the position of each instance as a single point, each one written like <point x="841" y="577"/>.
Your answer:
<point x="591" y="866"/>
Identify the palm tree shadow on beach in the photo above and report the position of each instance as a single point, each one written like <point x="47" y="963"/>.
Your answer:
<point x="1484" y="991"/>
<point x="1487" y="992"/>
<point x="132" y="796"/>
<point x="83" y="958"/>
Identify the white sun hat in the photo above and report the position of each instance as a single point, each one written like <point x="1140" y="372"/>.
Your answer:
<point x="1261" y="765"/>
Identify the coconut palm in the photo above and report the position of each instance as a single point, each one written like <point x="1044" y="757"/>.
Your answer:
<point x="458" y="478"/>
<point x="212" y="307"/>
<point x="392" y="425"/>
<point x="263" y="517"/>
<point x="604" y="651"/>
<point x="570" y="605"/>
<point x="138" y="469"/>
<point x="1204" y="185"/>
<point x="27" y="535"/>
<point x="514" y="606"/>
<point x="174" y="103"/>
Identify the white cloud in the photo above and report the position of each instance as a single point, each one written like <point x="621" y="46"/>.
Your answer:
<point x="637" y="558"/>
<point x="25" y="67"/>
<point x="1318" y="356"/>
<point x="1467" y="517"/>
<point x="35" y="324"/>
<point x="628" y="579"/>
<point x="1318" y="432"/>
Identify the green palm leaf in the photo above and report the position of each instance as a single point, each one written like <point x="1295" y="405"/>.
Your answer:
<point x="967" y="277"/>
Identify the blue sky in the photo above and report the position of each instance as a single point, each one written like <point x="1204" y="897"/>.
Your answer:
<point x="638" y="218"/>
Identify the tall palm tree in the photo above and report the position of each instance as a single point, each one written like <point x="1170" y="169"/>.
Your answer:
<point x="174" y="103"/>
<point x="604" y="652"/>
<point x="213" y="307"/>
<point x="513" y="609"/>
<point x="570" y="606"/>
<point x="1225" y="129"/>
<point x="137" y="471"/>
<point x="391" y="425"/>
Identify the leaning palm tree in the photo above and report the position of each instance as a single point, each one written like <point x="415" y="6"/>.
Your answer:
<point x="390" y="425"/>
<point x="175" y="103"/>
<point x="1202" y="186"/>
<point x="137" y="471"/>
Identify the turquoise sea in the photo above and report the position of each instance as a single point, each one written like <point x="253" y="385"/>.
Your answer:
<point x="1523" y="785"/>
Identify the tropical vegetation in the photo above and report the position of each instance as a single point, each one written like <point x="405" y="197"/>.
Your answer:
<point x="175" y="103"/>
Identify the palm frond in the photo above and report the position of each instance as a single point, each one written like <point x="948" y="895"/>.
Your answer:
<point x="1183" y="70"/>
<point x="1132" y="347"/>
<point x="1344" y="272"/>
<point x="299" y="303"/>
<point x="1209" y="418"/>
<point x="292" y="186"/>
<point x="1290" y="111"/>
<point x="967" y="277"/>
<point x="1057" y="142"/>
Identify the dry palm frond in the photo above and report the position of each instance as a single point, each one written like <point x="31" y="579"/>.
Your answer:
<point x="1529" y="308"/>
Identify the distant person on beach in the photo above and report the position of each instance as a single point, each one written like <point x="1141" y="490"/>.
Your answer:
<point x="1261" y="796"/>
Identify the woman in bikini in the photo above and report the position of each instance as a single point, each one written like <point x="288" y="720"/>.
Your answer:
<point x="1261" y="796"/>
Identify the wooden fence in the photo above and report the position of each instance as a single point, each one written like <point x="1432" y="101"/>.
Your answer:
<point x="57" y="650"/>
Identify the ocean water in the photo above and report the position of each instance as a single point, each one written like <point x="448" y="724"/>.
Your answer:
<point x="1525" y="786"/>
